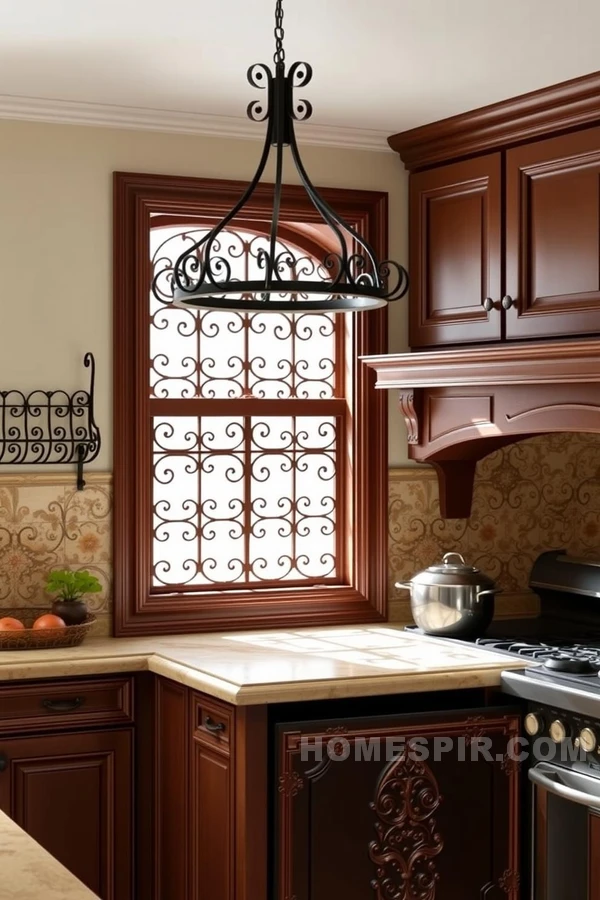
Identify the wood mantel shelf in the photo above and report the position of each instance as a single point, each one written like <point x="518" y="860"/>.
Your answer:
<point x="460" y="405"/>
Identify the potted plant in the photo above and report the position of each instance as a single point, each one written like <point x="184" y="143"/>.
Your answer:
<point x="71" y="586"/>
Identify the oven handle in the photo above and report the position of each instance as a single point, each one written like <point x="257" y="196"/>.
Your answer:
<point x="548" y="777"/>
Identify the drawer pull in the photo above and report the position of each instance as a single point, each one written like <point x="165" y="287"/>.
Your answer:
<point x="3" y="762"/>
<point x="63" y="706"/>
<point x="213" y="726"/>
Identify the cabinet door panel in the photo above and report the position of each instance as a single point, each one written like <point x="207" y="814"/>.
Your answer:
<point x="72" y="794"/>
<point x="375" y="816"/>
<point x="455" y="234"/>
<point x="553" y="236"/>
<point x="211" y="846"/>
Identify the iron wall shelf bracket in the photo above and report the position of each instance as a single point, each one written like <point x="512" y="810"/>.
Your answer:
<point x="50" y="427"/>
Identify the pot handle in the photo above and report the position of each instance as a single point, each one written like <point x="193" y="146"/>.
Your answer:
<point x="447" y="556"/>
<point x="405" y="585"/>
<point x="489" y="591"/>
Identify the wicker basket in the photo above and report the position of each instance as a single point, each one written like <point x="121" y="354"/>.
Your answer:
<point x="43" y="638"/>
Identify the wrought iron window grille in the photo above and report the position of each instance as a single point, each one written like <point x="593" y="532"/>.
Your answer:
<point x="50" y="427"/>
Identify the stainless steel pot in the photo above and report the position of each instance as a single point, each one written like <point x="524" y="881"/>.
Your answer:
<point x="452" y="599"/>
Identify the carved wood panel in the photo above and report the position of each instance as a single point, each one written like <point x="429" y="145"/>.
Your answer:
<point x="408" y="839"/>
<point x="358" y="822"/>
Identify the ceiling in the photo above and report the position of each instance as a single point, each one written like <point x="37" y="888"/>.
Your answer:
<point x="384" y="65"/>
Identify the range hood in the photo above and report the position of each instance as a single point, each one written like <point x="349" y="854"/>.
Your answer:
<point x="460" y="405"/>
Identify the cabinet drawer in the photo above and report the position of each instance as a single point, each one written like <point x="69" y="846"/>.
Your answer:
<point x="212" y="720"/>
<point x="53" y="705"/>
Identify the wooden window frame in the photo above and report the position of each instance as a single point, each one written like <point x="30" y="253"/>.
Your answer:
<point x="139" y="611"/>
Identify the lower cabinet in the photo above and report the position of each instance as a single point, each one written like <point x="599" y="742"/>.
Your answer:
<point x="71" y="790"/>
<point x="398" y="809"/>
<point x="233" y="805"/>
<point x="211" y="797"/>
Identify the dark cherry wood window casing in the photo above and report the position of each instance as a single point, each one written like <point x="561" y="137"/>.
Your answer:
<point x="359" y="592"/>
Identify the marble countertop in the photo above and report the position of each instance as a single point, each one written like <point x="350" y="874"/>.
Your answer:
<point x="248" y="668"/>
<point x="28" y="872"/>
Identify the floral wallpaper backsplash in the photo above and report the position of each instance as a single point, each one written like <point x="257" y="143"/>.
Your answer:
<point x="539" y="494"/>
<point x="45" y="523"/>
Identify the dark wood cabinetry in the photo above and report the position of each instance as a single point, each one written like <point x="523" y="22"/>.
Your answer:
<point x="553" y="237"/>
<point x="455" y="256"/>
<point x="392" y="808"/>
<point x="72" y="790"/>
<point x="171" y="739"/>
<point x="229" y="808"/>
<point x="212" y="792"/>
<point x="211" y="797"/>
<point x="505" y="245"/>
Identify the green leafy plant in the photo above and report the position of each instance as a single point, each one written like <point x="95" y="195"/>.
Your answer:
<point x="72" y="585"/>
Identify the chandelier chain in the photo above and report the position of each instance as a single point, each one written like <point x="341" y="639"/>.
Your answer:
<point x="279" y="55"/>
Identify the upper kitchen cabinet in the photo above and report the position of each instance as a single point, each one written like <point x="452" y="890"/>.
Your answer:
<point x="455" y="253"/>
<point x="553" y="237"/>
<point x="505" y="219"/>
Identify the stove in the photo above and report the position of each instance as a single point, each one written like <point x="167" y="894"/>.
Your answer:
<point x="560" y="689"/>
<point x="562" y="645"/>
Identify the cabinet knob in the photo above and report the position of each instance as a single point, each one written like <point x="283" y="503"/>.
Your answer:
<point x="3" y="762"/>
<point x="507" y="302"/>
<point x="488" y="304"/>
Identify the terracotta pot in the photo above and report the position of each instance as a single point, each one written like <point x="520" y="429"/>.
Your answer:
<point x="72" y="612"/>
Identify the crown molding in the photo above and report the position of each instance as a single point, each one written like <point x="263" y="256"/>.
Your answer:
<point x="538" y="114"/>
<point x="67" y="112"/>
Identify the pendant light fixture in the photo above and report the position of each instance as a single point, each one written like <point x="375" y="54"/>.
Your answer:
<point x="352" y="279"/>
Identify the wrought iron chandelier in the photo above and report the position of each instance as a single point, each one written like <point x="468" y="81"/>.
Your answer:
<point x="352" y="280"/>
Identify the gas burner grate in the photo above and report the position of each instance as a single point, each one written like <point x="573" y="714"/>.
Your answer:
<point x="552" y="647"/>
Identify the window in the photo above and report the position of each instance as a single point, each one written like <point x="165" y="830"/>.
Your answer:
<point x="250" y="468"/>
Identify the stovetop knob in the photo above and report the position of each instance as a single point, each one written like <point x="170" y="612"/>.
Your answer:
<point x="558" y="731"/>
<point x="588" y="740"/>
<point x="534" y="724"/>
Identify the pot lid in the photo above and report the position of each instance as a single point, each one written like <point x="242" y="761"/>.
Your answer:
<point x="452" y="568"/>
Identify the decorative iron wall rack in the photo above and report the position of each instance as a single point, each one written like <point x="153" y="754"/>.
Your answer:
<point x="50" y="427"/>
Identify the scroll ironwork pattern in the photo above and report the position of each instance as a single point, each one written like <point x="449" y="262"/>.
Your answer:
<point x="244" y="499"/>
<point x="243" y="496"/>
<point x="50" y="427"/>
<point x="218" y="354"/>
<point x="407" y="837"/>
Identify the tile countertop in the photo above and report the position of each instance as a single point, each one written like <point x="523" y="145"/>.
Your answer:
<point x="28" y="872"/>
<point x="248" y="668"/>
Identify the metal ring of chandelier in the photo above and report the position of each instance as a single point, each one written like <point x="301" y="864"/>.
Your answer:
<point x="353" y="280"/>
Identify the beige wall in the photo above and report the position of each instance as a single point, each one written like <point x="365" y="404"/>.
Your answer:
<point x="56" y="234"/>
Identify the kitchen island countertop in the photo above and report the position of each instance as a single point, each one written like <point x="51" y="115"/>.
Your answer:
<point x="246" y="668"/>
<point x="28" y="872"/>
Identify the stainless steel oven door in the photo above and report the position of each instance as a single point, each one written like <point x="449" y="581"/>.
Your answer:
<point x="566" y="834"/>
